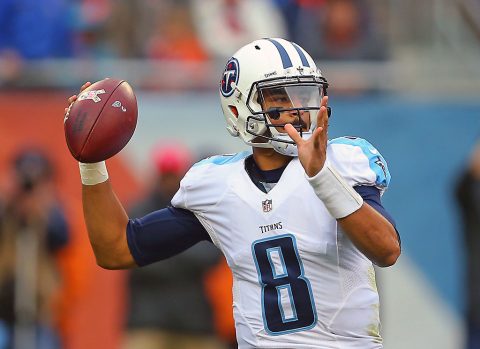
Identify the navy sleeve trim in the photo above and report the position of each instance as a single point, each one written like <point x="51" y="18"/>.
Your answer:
<point x="163" y="234"/>
<point x="371" y="195"/>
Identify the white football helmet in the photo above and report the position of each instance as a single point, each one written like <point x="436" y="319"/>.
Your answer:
<point x="264" y="81"/>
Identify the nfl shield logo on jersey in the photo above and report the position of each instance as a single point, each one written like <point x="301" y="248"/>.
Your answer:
<point x="267" y="205"/>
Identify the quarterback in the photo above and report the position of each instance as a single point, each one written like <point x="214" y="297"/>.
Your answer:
<point x="298" y="217"/>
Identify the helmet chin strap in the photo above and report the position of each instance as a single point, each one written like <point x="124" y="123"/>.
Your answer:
<point x="287" y="148"/>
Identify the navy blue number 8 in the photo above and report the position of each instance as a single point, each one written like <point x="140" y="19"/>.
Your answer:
<point x="287" y="299"/>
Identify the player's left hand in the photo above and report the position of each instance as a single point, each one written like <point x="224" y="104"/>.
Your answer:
<point x="312" y="152"/>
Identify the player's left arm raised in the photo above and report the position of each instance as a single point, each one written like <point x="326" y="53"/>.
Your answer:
<point x="369" y="230"/>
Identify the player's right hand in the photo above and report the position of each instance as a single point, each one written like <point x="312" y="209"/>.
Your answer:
<point x="312" y="152"/>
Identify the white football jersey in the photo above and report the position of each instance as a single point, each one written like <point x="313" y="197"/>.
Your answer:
<point x="299" y="282"/>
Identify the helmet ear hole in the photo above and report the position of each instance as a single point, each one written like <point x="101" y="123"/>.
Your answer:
<point x="234" y="110"/>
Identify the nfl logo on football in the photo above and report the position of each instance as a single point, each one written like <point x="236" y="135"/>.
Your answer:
<point x="267" y="205"/>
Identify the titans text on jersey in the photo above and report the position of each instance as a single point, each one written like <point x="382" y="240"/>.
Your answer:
<point x="299" y="282"/>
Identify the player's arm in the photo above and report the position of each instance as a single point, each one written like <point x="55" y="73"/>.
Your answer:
<point x="106" y="222"/>
<point x="368" y="230"/>
<point x="104" y="215"/>
<point x="119" y="242"/>
<point x="372" y="231"/>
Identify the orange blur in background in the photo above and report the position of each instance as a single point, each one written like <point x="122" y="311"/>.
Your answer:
<point x="91" y="306"/>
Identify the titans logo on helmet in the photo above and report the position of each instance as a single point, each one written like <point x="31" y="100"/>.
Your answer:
<point x="231" y="73"/>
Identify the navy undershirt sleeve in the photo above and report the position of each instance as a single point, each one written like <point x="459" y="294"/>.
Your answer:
<point x="371" y="195"/>
<point x="163" y="234"/>
<point x="170" y="231"/>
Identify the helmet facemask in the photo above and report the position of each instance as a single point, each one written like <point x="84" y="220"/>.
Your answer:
<point x="252" y="78"/>
<point x="274" y="103"/>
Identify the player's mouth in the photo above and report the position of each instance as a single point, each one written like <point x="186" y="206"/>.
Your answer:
<point x="299" y="124"/>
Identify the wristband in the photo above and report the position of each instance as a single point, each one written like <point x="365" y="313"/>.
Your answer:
<point x="94" y="173"/>
<point x="337" y="195"/>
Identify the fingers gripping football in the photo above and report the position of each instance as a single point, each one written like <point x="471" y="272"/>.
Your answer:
<point x="72" y="99"/>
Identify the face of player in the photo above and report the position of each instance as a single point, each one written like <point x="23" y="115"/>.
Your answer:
<point x="284" y="105"/>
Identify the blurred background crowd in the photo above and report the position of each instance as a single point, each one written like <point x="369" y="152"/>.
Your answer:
<point x="181" y="44"/>
<point x="404" y="74"/>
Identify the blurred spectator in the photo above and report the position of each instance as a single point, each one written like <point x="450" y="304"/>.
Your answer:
<point x="300" y="17"/>
<point x="161" y="31"/>
<point x="468" y="196"/>
<point x="90" y="20"/>
<point x="334" y="29"/>
<point x="168" y="305"/>
<point x="156" y="29"/>
<point x="218" y="286"/>
<point x="33" y="229"/>
<point x="130" y="25"/>
<point x="174" y="38"/>
<point x="225" y="25"/>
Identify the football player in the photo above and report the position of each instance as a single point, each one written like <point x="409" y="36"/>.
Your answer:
<point x="298" y="217"/>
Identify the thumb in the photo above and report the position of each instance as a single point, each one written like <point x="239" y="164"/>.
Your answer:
<point x="293" y="134"/>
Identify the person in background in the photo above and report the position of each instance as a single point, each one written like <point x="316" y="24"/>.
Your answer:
<point x="349" y="28"/>
<point x="224" y="25"/>
<point x="168" y="308"/>
<point x="33" y="229"/>
<point x="349" y="32"/>
<point x="468" y="198"/>
<point x="173" y="38"/>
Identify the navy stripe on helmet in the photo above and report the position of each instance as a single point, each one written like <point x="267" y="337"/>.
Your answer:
<point x="301" y="54"/>
<point x="286" y="61"/>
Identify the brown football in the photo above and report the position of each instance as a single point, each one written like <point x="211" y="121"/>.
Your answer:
<point x="101" y="121"/>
